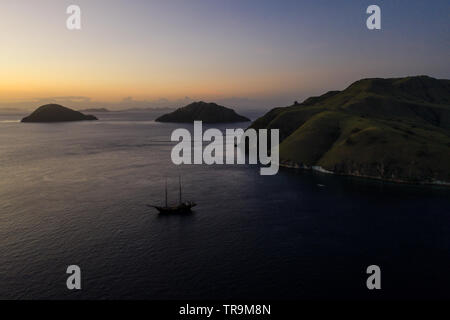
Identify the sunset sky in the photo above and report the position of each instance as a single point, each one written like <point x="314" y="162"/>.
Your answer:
<point x="247" y="53"/>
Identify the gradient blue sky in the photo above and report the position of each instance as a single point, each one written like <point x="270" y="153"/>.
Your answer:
<point x="244" y="53"/>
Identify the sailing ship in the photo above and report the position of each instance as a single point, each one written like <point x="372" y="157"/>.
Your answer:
<point x="182" y="207"/>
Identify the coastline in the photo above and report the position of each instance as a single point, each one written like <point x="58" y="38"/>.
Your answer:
<point x="294" y="165"/>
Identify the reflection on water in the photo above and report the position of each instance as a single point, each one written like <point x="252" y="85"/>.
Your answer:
<point x="76" y="193"/>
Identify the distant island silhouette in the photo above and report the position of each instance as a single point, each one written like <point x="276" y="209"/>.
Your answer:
<point x="203" y="111"/>
<point x="95" y="110"/>
<point x="56" y="113"/>
<point x="394" y="129"/>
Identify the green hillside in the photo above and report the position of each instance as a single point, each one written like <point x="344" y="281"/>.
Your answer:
<point x="391" y="129"/>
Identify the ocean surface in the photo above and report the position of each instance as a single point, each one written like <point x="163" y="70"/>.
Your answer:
<point x="76" y="193"/>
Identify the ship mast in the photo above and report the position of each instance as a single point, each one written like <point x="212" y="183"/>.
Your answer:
<point x="166" y="192"/>
<point x="179" y="181"/>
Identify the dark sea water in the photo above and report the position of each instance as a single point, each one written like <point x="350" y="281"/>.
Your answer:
<point x="76" y="193"/>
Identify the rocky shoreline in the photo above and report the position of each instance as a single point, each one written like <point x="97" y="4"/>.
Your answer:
<point x="294" y="165"/>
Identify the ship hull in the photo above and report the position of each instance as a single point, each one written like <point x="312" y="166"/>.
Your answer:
<point x="182" y="208"/>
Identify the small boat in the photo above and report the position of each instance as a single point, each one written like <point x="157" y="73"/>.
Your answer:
<point x="182" y="207"/>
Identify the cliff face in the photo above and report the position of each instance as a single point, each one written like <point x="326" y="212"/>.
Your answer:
<point x="391" y="129"/>
<point x="202" y="111"/>
<point x="56" y="113"/>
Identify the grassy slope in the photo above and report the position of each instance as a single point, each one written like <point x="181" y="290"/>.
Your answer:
<point x="393" y="129"/>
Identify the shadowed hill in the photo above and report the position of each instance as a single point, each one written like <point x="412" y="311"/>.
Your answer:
<point x="391" y="129"/>
<point x="206" y="112"/>
<point x="56" y="113"/>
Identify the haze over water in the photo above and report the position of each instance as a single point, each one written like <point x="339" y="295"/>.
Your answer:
<point x="76" y="193"/>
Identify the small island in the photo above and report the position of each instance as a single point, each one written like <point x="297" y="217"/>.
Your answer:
<point x="56" y="113"/>
<point x="203" y="111"/>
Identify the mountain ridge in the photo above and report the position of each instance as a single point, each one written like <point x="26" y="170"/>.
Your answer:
<point x="395" y="129"/>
